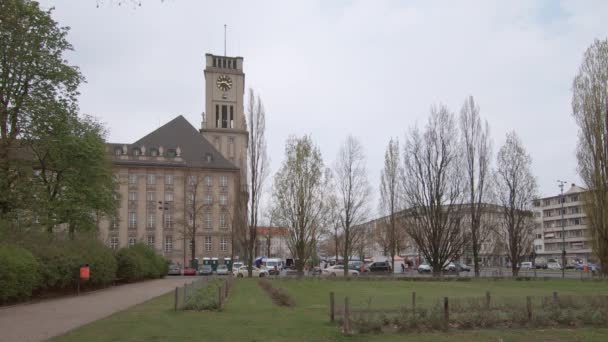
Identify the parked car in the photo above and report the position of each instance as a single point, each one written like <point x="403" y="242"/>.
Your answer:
<point x="424" y="268"/>
<point x="380" y="267"/>
<point x="463" y="267"/>
<point x="205" y="270"/>
<point x="525" y="265"/>
<point x="174" y="270"/>
<point x="222" y="270"/>
<point x="358" y="266"/>
<point x="237" y="265"/>
<point x="338" y="271"/>
<point x="256" y="272"/>
<point x="189" y="271"/>
<point x="554" y="266"/>
<point x="541" y="265"/>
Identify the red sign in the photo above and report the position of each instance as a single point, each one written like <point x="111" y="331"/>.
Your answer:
<point x="85" y="272"/>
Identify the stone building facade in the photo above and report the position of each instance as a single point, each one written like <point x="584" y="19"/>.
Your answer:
<point x="178" y="179"/>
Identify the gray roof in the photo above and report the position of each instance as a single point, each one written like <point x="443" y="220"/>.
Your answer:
<point x="179" y="133"/>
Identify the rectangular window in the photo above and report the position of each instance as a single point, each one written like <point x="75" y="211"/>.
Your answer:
<point x="231" y="117"/>
<point x="132" y="179"/>
<point x="208" y="220"/>
<point x="217" y="116"/>
<point x="208" y="181"/>
<point x="223" y="244"/>
<point x="231" y="146"/>
<point x="132" y="219"/>
<point x="169" y="180"/>
<point x="168" y="197"/>
<point x="151" y="196"/>
<point x="223" y="199"/>
<point x="132" y="196"/>
<point x="114" y="222"/>
<point x="151" y="220"/>
<point x="191" y="180"/>
<point x="207" y="243"/>
<point x="151" y="179"/>
<point x="114" y="242"/>
<point x="190" y="219"/>
<point x="223" y="181"/>
<point x="132" y="241"/>
<point x="151" y="240"/>
<point x="168" y="244"/>
<point x="214" y="62"/>
<point x="224" y="116"/>
<point x="168" y="220"/>
<point x="223" y="219"/>
<point x="208" y="199"/>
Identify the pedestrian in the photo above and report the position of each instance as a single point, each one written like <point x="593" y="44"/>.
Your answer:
<point x="402" y="268"/>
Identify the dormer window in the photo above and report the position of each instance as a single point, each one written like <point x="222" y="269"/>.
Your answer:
<point x="208" y="158"/>
<point x="154" y="152"/>
<point x="136" y="152"/>
<point x="171" y="153"/>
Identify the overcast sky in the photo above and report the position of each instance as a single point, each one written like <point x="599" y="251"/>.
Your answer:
<point x="332" y="68"/>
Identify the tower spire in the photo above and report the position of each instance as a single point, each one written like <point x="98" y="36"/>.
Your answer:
<point x="224" y="40"/>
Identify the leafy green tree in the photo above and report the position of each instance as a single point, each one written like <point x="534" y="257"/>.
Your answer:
<point x="74" y="183"/>
<point x="34" y="77"/>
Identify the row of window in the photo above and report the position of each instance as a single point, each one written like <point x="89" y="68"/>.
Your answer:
<point x="557" y="212"/>
<point x="226" y="63"/>
<point x="169" y="180"/>
<point x="559" y="200"/>
<point x="153" y="152"/>
<point x="151" y="220"/>
<point x="567" y="222"/>
<point x="569" y="245"/>
<point x="207" y="199"/>
<point x="168" y="246"/>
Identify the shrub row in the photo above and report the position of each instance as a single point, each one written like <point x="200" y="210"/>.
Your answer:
<point x="205" y="297"/>
<point x="36" y="264"/>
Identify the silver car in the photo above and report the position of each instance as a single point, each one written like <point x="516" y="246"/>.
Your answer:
<point x="222" y="270"/>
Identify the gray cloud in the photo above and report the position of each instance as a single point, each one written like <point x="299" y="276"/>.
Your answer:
<point x="330" y="68"/>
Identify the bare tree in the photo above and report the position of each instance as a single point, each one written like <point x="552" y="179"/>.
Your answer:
<point x="432" y="184"/>
<point x="257" y="171"/>
<point x="590" y="109"/>
<point x="353" y="192"/>
<point x="516" y="189"/>
<point x="389" y="199"/>
<point x="300" y="197"/>
<point x="477" y="154"/>
<point x="194" y="208"/>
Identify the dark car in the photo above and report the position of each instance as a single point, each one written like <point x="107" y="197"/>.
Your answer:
<point x="380" y="267"/>
<point x="174" y="270"/>
<point x="357" y="266"/>
<point x="205" y="270"/>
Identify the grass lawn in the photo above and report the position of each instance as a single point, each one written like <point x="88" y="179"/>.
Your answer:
<point x="251" y="316"/>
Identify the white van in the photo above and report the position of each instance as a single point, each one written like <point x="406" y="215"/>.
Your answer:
<point x="271" y="263"/>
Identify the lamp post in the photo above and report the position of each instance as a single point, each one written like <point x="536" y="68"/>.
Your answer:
<point x="163" y="206"/>
<point x="561" y="186"/>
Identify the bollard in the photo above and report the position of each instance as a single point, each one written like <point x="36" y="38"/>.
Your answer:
<point x="331" y="307"/>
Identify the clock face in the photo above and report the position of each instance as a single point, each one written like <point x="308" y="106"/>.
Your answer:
<point x="224" y="83"/>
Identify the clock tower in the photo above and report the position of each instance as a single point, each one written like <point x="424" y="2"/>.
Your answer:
<point x="223" y="119"/>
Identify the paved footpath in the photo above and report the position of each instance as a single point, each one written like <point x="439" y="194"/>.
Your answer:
<point x="44" y="320"/>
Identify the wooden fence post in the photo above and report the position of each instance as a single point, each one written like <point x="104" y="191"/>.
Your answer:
<point x="176" y="297"/>
<point x="488" y="298"/>
<point x="414" y="304"/>
<point x="331" y="307"/>
<point x="529" y="307"/>
<point x="219" y="297"/>
<point x="346" y="316"/>
<point x="555" y="299"/>
<point x="446" y="312"/>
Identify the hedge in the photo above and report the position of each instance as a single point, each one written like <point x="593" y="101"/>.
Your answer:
<point x="18" y="273"/>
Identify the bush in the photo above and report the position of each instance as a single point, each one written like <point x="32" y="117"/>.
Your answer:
<point x="130" y="265"/>
<point x="18" y="273"/>
<point x="140" y="262"/>
<point x="205" y="297"/>
<point x="60" y="259"/>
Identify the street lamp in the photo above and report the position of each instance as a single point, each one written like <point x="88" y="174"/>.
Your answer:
<point x="561" y="186"/>
<point x="164" y="206"/>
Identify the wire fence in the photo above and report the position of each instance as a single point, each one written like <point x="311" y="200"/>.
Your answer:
<point x="209" y="293"/>
<point x="468" y="313"/>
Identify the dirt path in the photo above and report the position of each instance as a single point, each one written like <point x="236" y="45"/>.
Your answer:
<point x="44" y="320"/>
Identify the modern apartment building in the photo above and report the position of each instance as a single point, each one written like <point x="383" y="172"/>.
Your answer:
<point x="548" y="241"/>
<point x="179" y="179"/>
